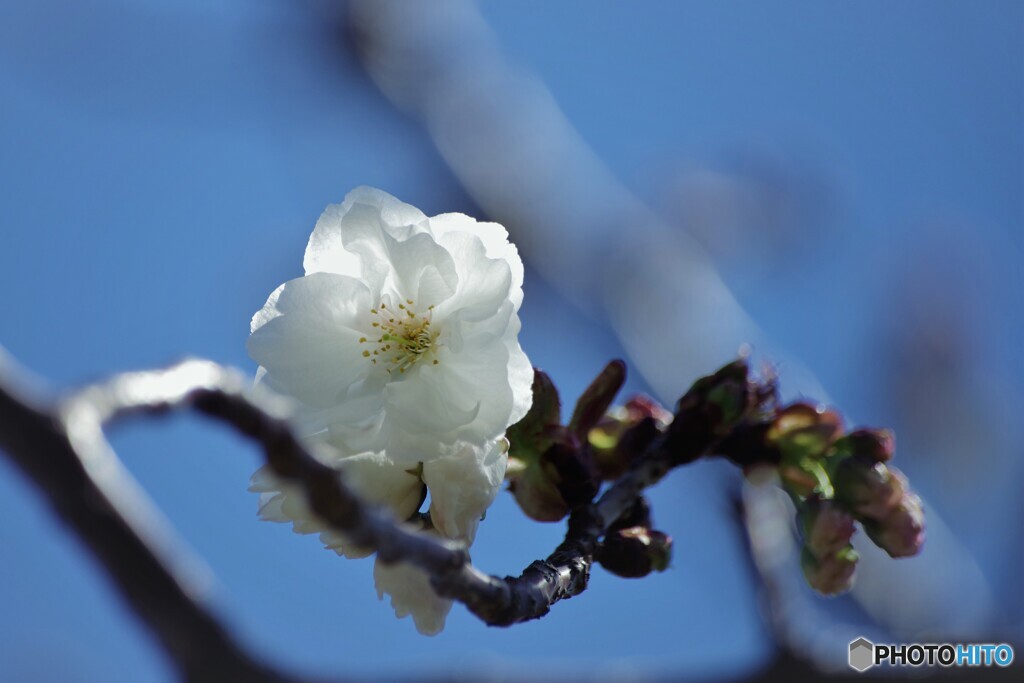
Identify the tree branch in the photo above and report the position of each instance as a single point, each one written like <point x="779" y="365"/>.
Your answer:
<point x="87" y="489"/>
<point x="61" y="447"/>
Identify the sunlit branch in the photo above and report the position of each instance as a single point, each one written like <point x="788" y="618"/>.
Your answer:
<point x="61" y="447"/>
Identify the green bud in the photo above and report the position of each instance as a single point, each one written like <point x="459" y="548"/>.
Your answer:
<point x="797" y="481"/>
<point x="616" y="446"/>
<point x="624" y="433"/>
<point x="826" y="527"/>
<point x="731" y="399"/>
<point x="806" y="478"/>
<point x="802" y="430"/>
<point x="535" y="433"/>
<point x="535" y="488"/>
<point x="709" y="410"/>
<point x="874" y="444"/>
<point x="832" y="574"/>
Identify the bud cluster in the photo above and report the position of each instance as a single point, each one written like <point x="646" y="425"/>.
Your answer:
<point x="555" y="468"/>
<point x="552" y="468"/>
<point x="880" y="497"/>
<point x="837" y="478"/>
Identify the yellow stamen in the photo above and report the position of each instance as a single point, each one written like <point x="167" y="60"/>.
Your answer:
<point x="411" y="337"/>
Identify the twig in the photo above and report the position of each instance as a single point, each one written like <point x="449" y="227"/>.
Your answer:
<point x="61" y="447"/>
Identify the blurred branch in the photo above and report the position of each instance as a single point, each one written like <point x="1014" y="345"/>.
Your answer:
<point x="810" y="647"/>
<point x="62" y="449"/>
<point x="802" y="634"/>
<point x="518" y="156"/>
<point x="84" y="486"/>
<point x="512" y="148"/>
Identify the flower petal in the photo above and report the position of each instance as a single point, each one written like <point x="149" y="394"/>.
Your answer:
<point x="326" y="251"/>
<point x="380" y="480"/>
<point x="477" y="372"/>
<point x="520" y="374"/>
<point x="424" y="401"/>
<point x="495" y="240"/>
<point x="411" y="593"/>
<point x="372" y="475"/>
<point x="484" y="283"/>
<point x="306" y="337"/>
<point x="462" y="486"/>
<point x="421" y="270"/>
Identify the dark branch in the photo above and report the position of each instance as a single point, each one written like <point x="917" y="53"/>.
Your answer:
<point x="61" y="447"/>
<point x="86" y="490"/>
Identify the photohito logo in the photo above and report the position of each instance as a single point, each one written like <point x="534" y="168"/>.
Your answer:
<point x="864" y="654"/>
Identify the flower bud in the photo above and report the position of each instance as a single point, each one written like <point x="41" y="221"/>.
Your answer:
<point x="803" y="430"/>
<point x="596" y="398"/>
<point x="623" y="434"/>
<point x="868" y="488"/>
<point x="874" y="444"/>
<point x="616" y="444"/>
<point x="796" y="481"/>
<point x="532" y="435"/>
<point x="559" y="479"/>
<point x="832" y="574"/>
<point x="575" y="473"/>
<point x="710" y="409"/>
<point x="635" y="552"/>
<point x="641" y="406"/>
<point x="731" y="397"/>
<point x="805" y="479"/>
<point x="826" y="527"/>
<point x="535" y="489"/>
<point x="901" y="533"/>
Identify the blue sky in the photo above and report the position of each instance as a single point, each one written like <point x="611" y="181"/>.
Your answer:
<point x="163" y="164"/>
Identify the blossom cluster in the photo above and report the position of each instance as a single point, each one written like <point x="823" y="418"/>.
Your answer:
<point x="400" y="348"/>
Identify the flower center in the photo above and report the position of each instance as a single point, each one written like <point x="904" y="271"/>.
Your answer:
<point x="405" y="336"/>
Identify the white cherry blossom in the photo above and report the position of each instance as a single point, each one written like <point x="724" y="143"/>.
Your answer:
<point x="402" y="336"/>
<point x="400" y="348"/>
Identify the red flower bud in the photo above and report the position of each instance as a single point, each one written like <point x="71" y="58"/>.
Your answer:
<point x="832" y="574"/>
<point x="826" y="527"/>
<point x="868" y="488"/>
<point x="901" y="533"/>
<point x="874" y="444"/>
